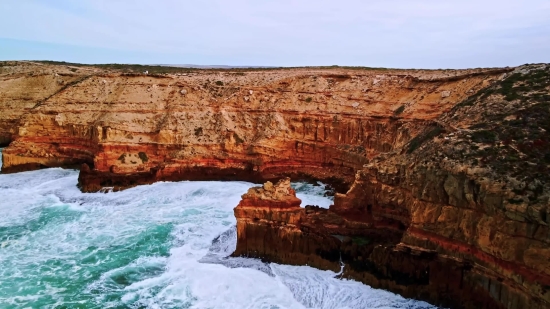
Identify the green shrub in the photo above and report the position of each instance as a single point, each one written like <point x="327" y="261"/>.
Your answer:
<point x="515" y="201"/>
<point x="360" y="241"/>
<point x="484" y="136"/>
<point x="420" y="139"/>
<point x="143" y="156"/>
<point x="219" y="83"/>
<point x="512" y="96"/>
<point x="198" y="131"/>
<point x="399" y="110"/>
<point x="238" y="139"/>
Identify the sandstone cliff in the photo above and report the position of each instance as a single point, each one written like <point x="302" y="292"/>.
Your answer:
<point x="135" y="128"/>
<point x="447" y="171"/>
<point x="459" y="216"/>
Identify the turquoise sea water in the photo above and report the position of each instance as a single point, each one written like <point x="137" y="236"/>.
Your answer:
<point x="154" y="246"/>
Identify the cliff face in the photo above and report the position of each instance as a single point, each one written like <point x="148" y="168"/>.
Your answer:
<point x="459" y="216"/>
<point x="133" y="128"/>
<point x="23" y="88"/>
<point x="447" y="171"/>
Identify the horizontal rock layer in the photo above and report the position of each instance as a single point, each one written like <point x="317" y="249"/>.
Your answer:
<point x="454" y="217"/>
<point x="255" y="125"/>
<point x="380" y="247"/>
<point x="447" y="171"/>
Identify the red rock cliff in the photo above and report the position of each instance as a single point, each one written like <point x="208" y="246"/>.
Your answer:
<point x="458" y="217"/>
<point x="447" y="171"/>
<point x="133" y="128"/>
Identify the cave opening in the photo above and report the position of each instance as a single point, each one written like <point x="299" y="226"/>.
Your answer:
<point x="5" y="141"/>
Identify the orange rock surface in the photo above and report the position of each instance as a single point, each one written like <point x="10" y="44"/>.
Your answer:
<point x="256" y="125"/>
<point x="454" y="217"/>
<point x="442" y="175"/>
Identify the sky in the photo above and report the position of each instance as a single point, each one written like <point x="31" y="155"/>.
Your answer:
<point x="376" y="33"/>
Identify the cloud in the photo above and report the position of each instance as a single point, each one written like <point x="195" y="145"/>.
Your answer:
<point x="395" y="33"/>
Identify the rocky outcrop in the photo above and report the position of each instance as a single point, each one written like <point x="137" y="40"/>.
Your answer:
<point x="454" y="217"/>
<point x="260" y="214"/>
<point x="384" y="249"/>
<point x="442" y="175"/>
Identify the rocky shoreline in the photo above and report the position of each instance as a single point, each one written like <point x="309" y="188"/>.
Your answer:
<point x="442" y="182"/>
<point x="272" y="226"/>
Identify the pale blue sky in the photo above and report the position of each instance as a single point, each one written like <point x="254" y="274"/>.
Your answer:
<point x="378" y="33"/>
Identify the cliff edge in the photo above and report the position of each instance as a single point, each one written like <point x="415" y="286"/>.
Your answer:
<point x="458" y="216"/>
<point x="442" y="176"/>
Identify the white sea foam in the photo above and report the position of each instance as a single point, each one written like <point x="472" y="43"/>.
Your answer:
<point x="150" y="246"/>
<point x="313" y="194"/>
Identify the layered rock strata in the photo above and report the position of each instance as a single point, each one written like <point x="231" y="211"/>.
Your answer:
<point x="458" y="217"/>
<point x="377" y="248"/>
<point x="133" y="129"/>
<point x="447" y="171"/>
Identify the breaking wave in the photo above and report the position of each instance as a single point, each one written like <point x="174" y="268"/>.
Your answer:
<point x="165" y="245"/>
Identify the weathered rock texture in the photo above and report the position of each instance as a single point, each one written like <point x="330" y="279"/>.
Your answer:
<point x="133" y="128"/>
<point x="447" y="171"/>
<point x="458" y="217"/>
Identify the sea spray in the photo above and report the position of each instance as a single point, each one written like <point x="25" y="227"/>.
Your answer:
<point x="164" y="245"/>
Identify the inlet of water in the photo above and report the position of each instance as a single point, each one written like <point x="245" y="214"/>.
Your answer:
<point x="150" y="247"/>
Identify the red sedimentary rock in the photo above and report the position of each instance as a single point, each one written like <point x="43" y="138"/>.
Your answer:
<point x="442" y="176"/>
<point x="380" y="249"/>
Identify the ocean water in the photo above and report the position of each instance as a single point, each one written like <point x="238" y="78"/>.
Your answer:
<point x="164" y="245"/>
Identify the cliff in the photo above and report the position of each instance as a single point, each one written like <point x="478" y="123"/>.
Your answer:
<point x="256" y="125"/>
<point x="442" y="175"/>
<point x="458" y="217"/>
